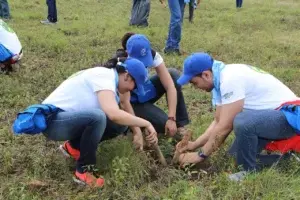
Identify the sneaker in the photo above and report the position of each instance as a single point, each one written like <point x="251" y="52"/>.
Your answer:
<point x="69" y="151"/>
<point x="174" y="52"/>
<point x="237" y="177"/>
<point x="89" y="177"/>
<point x="47" y="22"/>
<point x="6" y="19"/>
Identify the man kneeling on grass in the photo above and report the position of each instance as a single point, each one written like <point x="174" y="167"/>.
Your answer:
<point x="246" y="99"/>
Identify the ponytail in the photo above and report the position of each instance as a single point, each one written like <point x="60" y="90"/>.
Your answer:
<point x="122" y="52"/>
<point x="114" y="63"/>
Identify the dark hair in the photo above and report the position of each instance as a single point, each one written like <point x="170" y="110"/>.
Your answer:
<point x="122" y="52"/>
<point x="125" y="38"/>
<point x="113" y="63"/>
<point x="202" y="72"/>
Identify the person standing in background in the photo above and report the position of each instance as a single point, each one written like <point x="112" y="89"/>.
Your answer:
<point x="140" y="13"/>
<point x="52" y="13"/>
<point x="174" y="36"/>
<point x="4" y="10"/>
<point x="239" y="3"/>
<point x="192" y="6"/>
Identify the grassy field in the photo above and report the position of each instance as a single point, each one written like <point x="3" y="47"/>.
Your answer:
<point x="263" y="33"/>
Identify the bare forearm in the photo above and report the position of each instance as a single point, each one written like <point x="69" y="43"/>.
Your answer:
<point x="217" y="137"/>
<point x="201" y="141"/>
<point x="225" y="115"/>
<point x="128" y="108"/>
<point x="172" y="101"/>
<point x="124" y="118"/>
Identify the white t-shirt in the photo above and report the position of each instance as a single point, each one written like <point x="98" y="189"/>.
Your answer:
<point x="157" y="60"/>
<point x="79" y="91"/>
<point x="9" y="39"/>
<point x="259" y="89"/>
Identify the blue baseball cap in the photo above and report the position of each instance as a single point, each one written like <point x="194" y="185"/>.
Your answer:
<point x="193" y="65"/>
<point x="139" y="47"/>
<point x="138" y="71"/>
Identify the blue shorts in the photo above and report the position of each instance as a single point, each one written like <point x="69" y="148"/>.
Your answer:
<point x="5" y="54"/>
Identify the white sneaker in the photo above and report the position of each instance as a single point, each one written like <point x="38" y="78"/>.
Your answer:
<point x="237" y="177"/>
<point x="47" y="22"/>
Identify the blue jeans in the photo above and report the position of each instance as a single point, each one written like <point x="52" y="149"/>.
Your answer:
<point x="253" y="130"/>
<point x="52" y="12"/>
<point x="4" y="9"/>
<point x="239" y="3"/>
<point x="154" y="114"/>
<point x="177" y="12"/>
<point x="84" y="130"/>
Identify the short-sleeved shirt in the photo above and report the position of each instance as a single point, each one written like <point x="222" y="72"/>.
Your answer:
<point x="157" y="59"/>
<point x="79" y="91"/>
<point x="9" y="39"/>
<point x="259" y="89"/>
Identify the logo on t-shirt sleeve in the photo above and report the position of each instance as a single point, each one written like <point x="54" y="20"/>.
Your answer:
<point x="6" y="27"/>
<point x="257" y="69"/>
<point x="227" y="95"/>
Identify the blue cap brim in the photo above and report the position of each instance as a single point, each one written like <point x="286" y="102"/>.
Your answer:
<point x="184" y="79"/>
<point x="140" y="89"/>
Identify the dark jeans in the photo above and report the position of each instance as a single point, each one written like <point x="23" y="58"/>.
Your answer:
<point x="239" y="3"/>
<point x="4" y="9"/>
<point x="154" y="114"/>
<point x="253" y="130"/>
<point x="84" y="130"/>
<point x="140" y="13"/>
<point x="52" y="12"/>
<point x="191" y="10"/>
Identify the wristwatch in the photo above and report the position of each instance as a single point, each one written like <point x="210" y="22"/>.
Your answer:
<point x="202" y="155"/>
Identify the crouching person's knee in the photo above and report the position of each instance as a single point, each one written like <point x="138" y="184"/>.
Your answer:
<point x="239" y="125"/>
<point x="175" y="74"/>
<point x="97" y="115"/>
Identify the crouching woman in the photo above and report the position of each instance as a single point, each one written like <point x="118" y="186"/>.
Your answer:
<point x="88" y="111"/>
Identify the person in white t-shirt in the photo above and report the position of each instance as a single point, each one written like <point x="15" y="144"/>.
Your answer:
<point x="246" y="99"/>
<point x="89" y="112"/>
<point x="162" y="82"/>
<point x="10" y="47"/>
